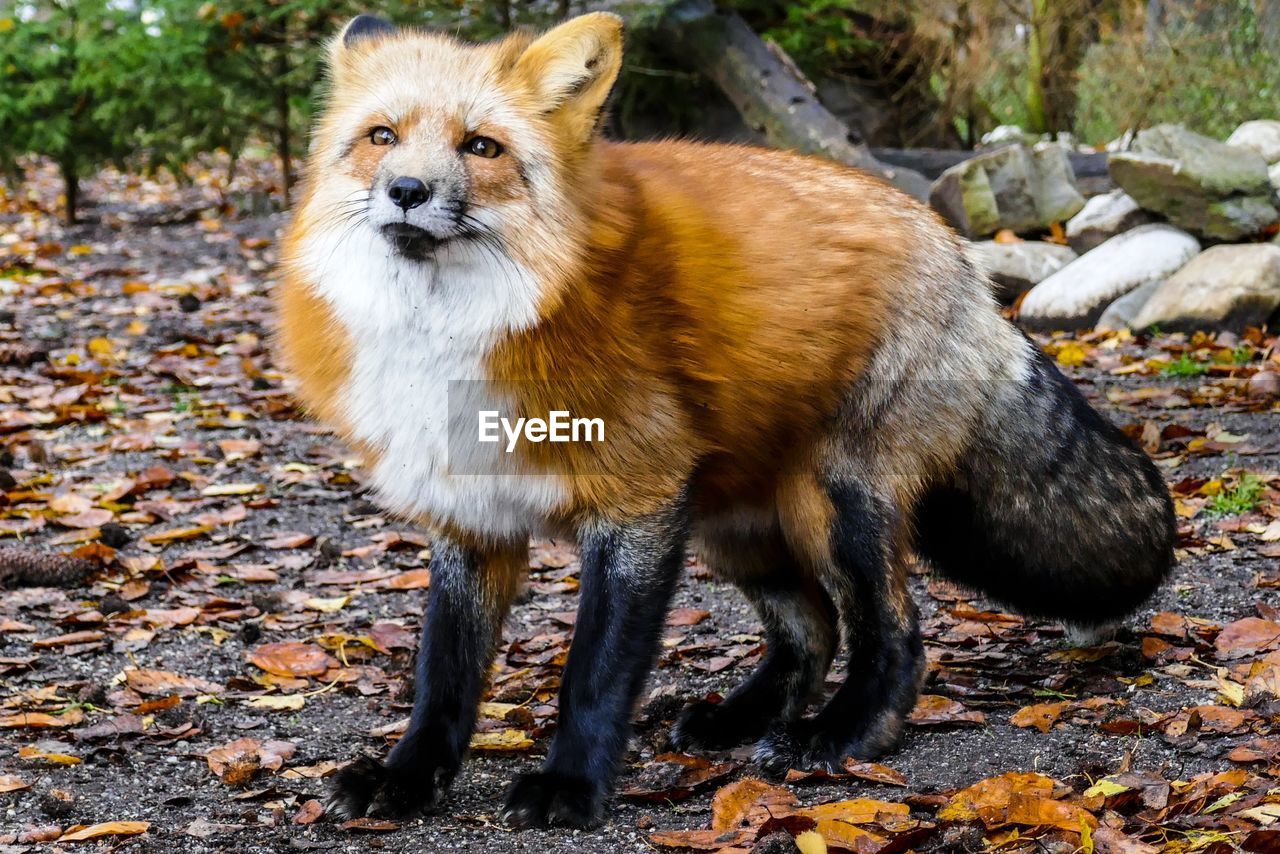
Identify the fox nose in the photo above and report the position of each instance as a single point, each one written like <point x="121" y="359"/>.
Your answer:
<point x="408" y="193"/>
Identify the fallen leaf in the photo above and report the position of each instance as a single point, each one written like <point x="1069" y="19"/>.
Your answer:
<point x="80" y="833"/>
<point x="292" y="659"/>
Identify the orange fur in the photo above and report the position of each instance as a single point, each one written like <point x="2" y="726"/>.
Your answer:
<point x="710" y="303"/>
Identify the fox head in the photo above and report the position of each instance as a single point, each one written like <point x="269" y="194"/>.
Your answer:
<point x="432" y="145"/>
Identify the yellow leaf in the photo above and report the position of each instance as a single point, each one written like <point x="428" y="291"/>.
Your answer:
<point x="1071" y="355"/>
<point x="36" y="753"/>
<point x="811" y="842"/>
<point x="326" y="606"/>
<point x="221" y="489"/>
<point x="81" y="249"/>
<point x="506" y="739"/>
<point x="1106" y="787"/>
<point x="6" y="24"/>
<point x="497" y="711"/>
<point x="80" y="833"/>
<point x="279" y="702"/>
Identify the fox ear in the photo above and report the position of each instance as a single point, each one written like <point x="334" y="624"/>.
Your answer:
<point x="359" y="31"/>
<point x="362" y="27"/>
<point x="572" y="67"/>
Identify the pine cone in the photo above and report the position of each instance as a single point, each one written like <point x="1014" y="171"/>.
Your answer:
<point x="24" y="567"/>
<point x="21" y="355"/>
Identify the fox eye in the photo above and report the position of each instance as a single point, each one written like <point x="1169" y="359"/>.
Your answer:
<point x="382" y="136"/>
<point x="482" y="146"/>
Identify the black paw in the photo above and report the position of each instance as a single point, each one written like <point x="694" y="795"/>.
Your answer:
<point x="717" y="726"/>
<point x="796" y="744"/>
<point x="547" y="799"/>
<point x="805" y="745"/>
<point x="370" y="787"/>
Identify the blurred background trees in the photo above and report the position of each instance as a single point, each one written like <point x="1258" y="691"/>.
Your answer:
<point x="157" y="84"/>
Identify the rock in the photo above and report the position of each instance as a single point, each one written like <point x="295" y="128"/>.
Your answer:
<point x="1006" y="134"/>
<point x="1012" y="187"/>
<point x="1122" y="312"/>
<point x="1225" y="287"/>
<point x="1274" y="174"/>
<point x="1102" y="218"/>
<point x="1264" y="385"/>
<point x="1262" y="135"/>
<point x="1075" y="296"/>
<point x="1014" y="267"/>
<point x="1205" y="186"/>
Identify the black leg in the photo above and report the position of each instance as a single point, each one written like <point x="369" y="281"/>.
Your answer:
<point x="628" y="575"/>
<point x="469" y="596"/>
<point x="800" y="632"/>
<point x="866" y="715"/>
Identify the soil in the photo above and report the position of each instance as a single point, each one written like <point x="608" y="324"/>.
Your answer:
<point x="209" y="282"/>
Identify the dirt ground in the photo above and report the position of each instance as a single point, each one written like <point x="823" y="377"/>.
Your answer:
<point x="159" y="424"/>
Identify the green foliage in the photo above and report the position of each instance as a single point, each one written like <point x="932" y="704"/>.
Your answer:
<point x="1185" y="366"/>
<point x="67" y="70"/>
<point x="1242" y="497"/>
<point x="1210" y="75"/>
<point x="157" y="82"/>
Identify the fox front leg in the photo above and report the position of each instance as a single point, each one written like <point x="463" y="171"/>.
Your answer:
<point x="471" y="591"/>
<point x="628" y="575"/>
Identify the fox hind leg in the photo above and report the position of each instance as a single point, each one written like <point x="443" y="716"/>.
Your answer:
<point x="799" y="621"/>
<point x="866" y="715"/>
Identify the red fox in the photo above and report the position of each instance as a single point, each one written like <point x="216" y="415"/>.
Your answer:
<point x="797" y="372"/>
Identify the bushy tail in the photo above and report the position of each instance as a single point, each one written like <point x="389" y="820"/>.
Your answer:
<point x="1053" y="511"/>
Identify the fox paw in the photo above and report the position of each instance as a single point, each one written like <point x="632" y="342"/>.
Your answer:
<point x="804" y="746"/>
<point x="548" y="799"/>
<point x="796" y="744"/>
<point x="716" y="726"/>
<point x="369" y="787"/>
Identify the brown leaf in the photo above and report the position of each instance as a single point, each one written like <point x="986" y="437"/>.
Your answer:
<point x="686" y="616"/>
<point x="12" y="783"/>
<point x="935" y="710"/>
<point x="674" y="777"/>
<point x="292" y="659"/>
<point x="702" y="840"/>
<point x="40" y="720"/>
<point x="414" y="579"/>
<point x="238" y="762"/>
<point x="1041" y="716"/>
<point x="1035" y="811"/>
<point x="1247" y="636"/>
<point x="735" y="804"/>
<point x="994" y="793"/>
<point x="370" y="825"/>
<point x="163" y="683"/>
<point x="309" y="812"/>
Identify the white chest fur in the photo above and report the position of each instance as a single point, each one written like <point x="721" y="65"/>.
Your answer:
<point x="421" y="332"/>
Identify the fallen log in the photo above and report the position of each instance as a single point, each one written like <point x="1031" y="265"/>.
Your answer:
<point x="932" y="162"/>
<point x="772" y="94"/>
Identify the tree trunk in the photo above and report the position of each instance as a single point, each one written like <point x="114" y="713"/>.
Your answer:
<point x="772" y="95"/>
<point x="284" y="136"/>
<point x="70" y="189"/>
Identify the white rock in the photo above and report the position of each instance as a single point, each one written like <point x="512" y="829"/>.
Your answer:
<point x="1102" y="218"/>
<point x="1005" y="134"/>
<point x="1274" y="174"/>
<point x="1014" y="267"/>
<point x="1262" y="135"/>
<point x="1076" y="295"/>
<point x="1122" y="312"/>
<point x="1227" y="286"/>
